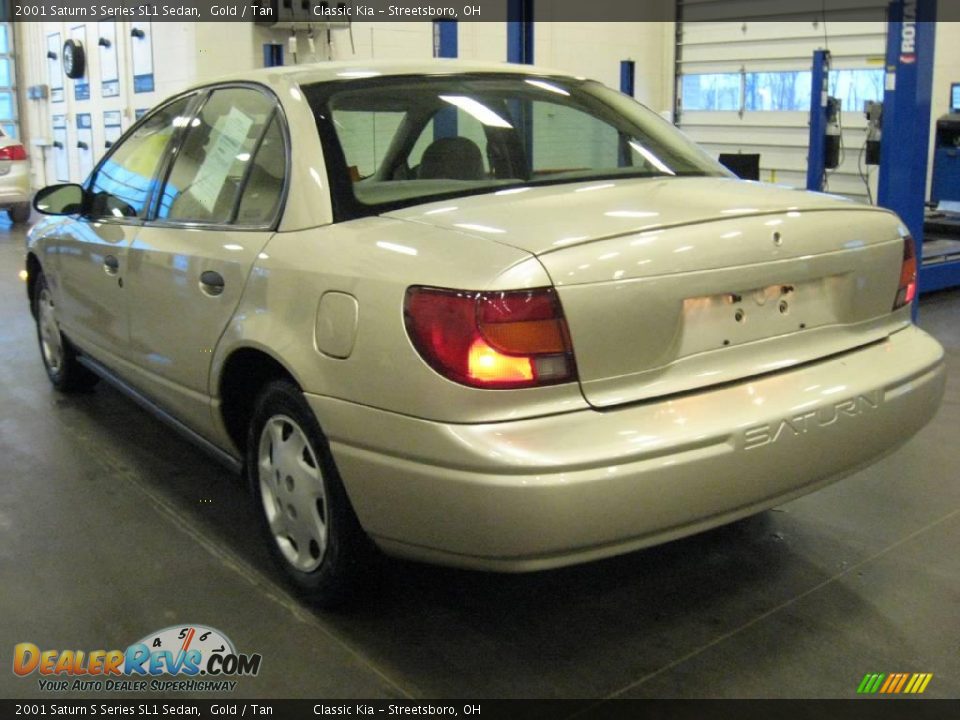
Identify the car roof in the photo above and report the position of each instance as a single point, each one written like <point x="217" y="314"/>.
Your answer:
<point x="354" y="69"/>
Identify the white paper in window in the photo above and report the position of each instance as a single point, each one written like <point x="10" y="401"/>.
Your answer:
<point x="227" y="138"/>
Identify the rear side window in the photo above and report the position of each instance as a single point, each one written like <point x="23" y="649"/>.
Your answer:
<point x="216" y="157"/>
<point x="264" y="187"/>
<point x="123" y="183"/>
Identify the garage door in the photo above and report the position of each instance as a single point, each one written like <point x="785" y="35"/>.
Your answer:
<point x="744" y="86"/>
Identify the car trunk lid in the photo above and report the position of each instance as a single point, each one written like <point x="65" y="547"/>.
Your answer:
<point x="669" y="285"/>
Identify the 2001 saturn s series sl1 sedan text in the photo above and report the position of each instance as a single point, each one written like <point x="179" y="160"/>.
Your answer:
<point x="482" y="315"/>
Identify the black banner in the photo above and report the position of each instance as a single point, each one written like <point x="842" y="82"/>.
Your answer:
<point x="856" y="709"/>
<point x="283" y="12"/>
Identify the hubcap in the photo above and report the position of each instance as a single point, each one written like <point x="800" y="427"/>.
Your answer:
<point x="291" y="487"/>
<point x="51" y="344"/>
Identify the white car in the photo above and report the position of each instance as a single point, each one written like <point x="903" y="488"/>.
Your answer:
<point x="14" y="179"/>
<point x="482" y="315"/>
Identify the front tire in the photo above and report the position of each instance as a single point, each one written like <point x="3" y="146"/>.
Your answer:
<point x="306" y="516"/>
<point x="58" y="355"/>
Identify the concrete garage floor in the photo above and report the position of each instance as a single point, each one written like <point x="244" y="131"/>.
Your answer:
<point x="112" y="527"/>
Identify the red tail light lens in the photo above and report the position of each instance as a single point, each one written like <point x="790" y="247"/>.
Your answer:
<point x="13" y="152"/>
<point x="907" y="290"/>
<point x="491" y="339"/>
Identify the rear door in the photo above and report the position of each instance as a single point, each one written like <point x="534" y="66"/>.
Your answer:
<point x="92" y="250"/>
<point x="188" y="265"/>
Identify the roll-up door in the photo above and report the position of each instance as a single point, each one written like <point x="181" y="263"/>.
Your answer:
<point x="744" y="85"/>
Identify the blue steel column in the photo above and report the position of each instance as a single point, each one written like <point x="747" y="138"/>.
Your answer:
<point x="445" y="46"/>
<point x="627" y="77"/>
<point x="520" y="31"/>
<point x="520" y="50"/>
<point x="902" y="185"/>
<point x="818" y="120"/>
<point x="445" y="39"/>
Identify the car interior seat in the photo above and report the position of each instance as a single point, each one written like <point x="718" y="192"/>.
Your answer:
<point x="452" y="158"/>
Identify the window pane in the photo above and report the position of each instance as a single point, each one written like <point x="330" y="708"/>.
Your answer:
<point x="566" y="139"/>
<point x="6" y="105"/>
<point x="6" y="76"/>
<point x="718" y="91"/>
<point x="10" y="130"/>
<point x="4" y="37"/>
<point x="211" y="163"/>
<point x="451" y="122"/>
<point x="261" y="194"/>
<point x="791" y="90"/>
<point x="122" y="185"/>
<point x="777" y="90"/>
<point x="855" y="87"/>
<point x="402" y="142"/>
<point x="365" y="137"/>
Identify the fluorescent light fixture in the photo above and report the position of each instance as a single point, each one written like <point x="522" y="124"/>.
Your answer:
<point x="651" y="158"/>
<point x="477" y="110"/>
<point x="547" y="86"/>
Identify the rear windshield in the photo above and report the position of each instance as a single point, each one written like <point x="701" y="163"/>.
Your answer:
<point x="397" y="141"/>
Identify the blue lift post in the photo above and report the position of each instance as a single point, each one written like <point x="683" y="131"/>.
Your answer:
<point x="445" y="46"/>
<point x="902" y="184"/>
<point x="520" y="31"/>
<point x="520" y="50"/>
<point x="628" y="74"/>
<point x="816" y="155"/>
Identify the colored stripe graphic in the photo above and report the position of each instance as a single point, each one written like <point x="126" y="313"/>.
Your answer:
<point x="870" y="683"/>
<point x="894" y="683"/>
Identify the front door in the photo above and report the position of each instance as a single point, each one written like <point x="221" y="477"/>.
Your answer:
<point x="93" y="251"/>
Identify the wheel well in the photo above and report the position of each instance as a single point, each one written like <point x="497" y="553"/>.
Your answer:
<point x="245" y="372"/>
<point x="33" y="272"/>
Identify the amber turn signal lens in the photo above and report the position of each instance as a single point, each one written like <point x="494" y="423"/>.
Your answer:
<point x="510" y="339"/>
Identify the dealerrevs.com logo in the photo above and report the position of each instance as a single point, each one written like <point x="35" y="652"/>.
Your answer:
<point x="199" y="657"/>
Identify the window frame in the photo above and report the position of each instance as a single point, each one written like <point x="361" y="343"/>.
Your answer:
<point x="344" y="203"/>
<point x="141" y="217"/>
<point x="276" y="113"/>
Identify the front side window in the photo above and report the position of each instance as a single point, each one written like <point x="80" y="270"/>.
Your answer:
<point x="398" y="141"/>
<point x="122" y="185"/>
<point x="216" y="156"/>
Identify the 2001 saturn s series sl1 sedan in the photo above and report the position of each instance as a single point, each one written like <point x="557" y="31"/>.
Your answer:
<point x="482" y="315"/>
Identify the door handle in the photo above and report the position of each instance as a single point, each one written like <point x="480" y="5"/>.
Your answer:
<point x="111" y="265"/>
<point x="211" y="282"/>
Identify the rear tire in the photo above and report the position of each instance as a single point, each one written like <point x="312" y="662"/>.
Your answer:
<point x="20" y="213"/>
<point x="305" y="514"/>
<point x="58" y="354"/>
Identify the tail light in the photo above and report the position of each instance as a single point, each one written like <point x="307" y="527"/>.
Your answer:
<point x="13" y="152"/>
<point x="510" y="339"/>
<point x="907" y="289"/>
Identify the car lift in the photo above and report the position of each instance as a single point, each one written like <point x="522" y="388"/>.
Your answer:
<point x="902" y="184"/>
<point x="902" y="180"/>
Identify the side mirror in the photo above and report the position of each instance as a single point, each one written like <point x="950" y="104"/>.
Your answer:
<point x="66" y="199"/>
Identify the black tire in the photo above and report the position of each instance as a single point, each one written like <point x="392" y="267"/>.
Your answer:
<point x="305" y="514"/>
<point x="58" y="354"/>
<point x="20" y="213"/>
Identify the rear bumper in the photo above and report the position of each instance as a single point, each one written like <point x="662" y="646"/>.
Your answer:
<point x="15" y="184"/>
<point x="545" y="492"/>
